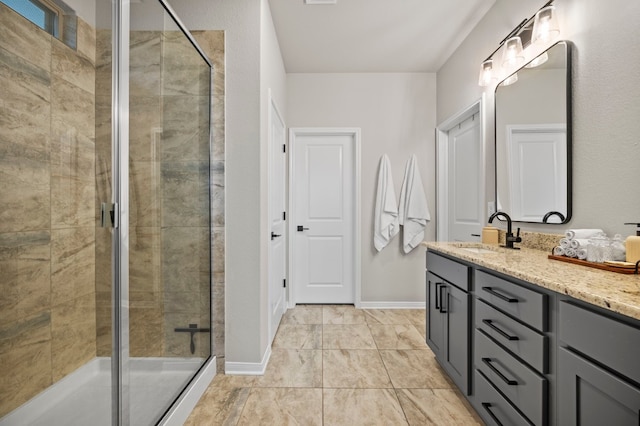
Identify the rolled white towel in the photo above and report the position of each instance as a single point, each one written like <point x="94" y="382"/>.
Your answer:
<point x="581" y="233"/>
<point x="582" y="253"/>
<point x="579" y="243"/>
<point x="570" y="252"/>
<point x="558" y="251"/>
<point x="565" y="243"/>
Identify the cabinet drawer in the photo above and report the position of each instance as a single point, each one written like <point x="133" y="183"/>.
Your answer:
<point x="524" y="342"/>
<point x="527" y="305"/>
<point x="591" y="396"/>
<point x="525" y="388"/>
<point x="606" y="340"/>
<point x="493" y="407"/>
<point x="449" y="270"/>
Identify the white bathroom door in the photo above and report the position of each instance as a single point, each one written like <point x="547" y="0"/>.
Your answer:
<point x="323" y="222"/>
<point x="465" y="181"/>
<point x="277" y="259"/>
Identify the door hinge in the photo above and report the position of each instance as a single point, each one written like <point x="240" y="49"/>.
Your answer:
<point x="284" y="147"/>
<point x="284" y="282"/>
<point x="284" y="215"/>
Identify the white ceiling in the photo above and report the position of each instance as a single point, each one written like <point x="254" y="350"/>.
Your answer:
<point x="373" y="35"/>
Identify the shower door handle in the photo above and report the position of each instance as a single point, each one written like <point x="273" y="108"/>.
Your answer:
<point x="108" y="215"/>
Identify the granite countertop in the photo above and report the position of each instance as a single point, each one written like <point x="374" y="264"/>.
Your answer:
<point x="617" y="292"/>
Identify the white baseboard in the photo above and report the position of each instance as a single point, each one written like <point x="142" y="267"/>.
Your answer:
<point x="392" y="305"/>
<point x="248" y="368"/>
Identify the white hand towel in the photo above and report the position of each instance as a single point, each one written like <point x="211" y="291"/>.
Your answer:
<point x="565" y="243"/>
<point x="581" y="233"/>
<point x="413" y="211"/>
<point x="386" y="224"/>
<point x="558" y="251"/>
<point x="578" y="243"/>
<point x="570" y="252"/>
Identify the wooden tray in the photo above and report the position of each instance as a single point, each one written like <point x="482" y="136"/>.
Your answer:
<point x="618" y="269"/>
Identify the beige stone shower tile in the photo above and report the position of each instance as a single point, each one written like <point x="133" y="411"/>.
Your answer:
<point x="145" y="63"/>
<point x="398" y="336"/>
<point x="217" y="193"/>
<point x="353" y="369"/>
<point x="145" y="128"/>
<point x="185" y="194"/>
<point x="144" y="260"/>
<point x="72" y="202"/>
<point x="184" y="72"/>
<point x="347" y="336"/>
<point x="86" y="40"/>
<point x="21" y="37"/>
<point x="415" y="369"/>
<point x="289" y="368"/>
<point x="72" y="110"/>
<point x="218" y="245"/>
<point x="30" y="368"/>
<point x="185" y="256"/>
<point x="71" y="67"/>
<point x="185" y="128"/>
<point x="182" y="301"/>
<point x="73" y="335"/>
<point x="25" y="268"/>
<point x="436" y="407"/>
<point x="219" y="407"/>
<point x="73" y="257"/>
<point x="146" y="332"/>
<point x="362" y="407"/>
<point x="282" y="406"/>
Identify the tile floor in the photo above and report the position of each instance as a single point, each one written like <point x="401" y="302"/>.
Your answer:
<point x="337" y="365"/>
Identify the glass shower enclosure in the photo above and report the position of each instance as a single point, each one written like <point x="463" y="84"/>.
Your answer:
<point x="105" y="263"/>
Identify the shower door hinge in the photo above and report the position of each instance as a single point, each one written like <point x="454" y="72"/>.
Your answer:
<point x="108" y="215"/>
<point x="284" y="282"/>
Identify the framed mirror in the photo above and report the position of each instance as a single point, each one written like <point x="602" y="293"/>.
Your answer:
<point x="533" y="139"/>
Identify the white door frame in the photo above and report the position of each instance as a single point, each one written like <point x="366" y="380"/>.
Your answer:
<point x="442" y="167"/>
<point x="274" y="107"/>
<point x="327" y="131"/>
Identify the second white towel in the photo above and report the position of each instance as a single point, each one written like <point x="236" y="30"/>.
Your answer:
<point x="386" y="224"/>
<point x="413" y="211"/>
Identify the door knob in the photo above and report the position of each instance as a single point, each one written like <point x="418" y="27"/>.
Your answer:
<point x="301" y="228"/>
<point x="274" y="236"/>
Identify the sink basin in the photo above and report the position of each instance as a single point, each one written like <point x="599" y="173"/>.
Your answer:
<point x="477" y="250"/>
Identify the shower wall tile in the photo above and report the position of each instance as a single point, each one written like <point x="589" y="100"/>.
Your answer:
<point x="145" y="128"/>
<point x="185" y="254"/>
<point x="217" y="193"/>
<point x="144" y="194"/>
<point x="184" y="138"/>
<point x="30" y="368"/>
<point x="25" y="288"/>
<point x="73" y="68"/>
<point x="144" y="63"/>
<point x="73" y="258"/>
<point x="25" y="331"/>
<point x="144" y="261"/>
<point x="72" y="108"/>
<point x="73" y="335"/>
<point x="86" y="41"/>
<point x="103" y="327"/>
<point x="24" y="39"/>
<point x="184" y="72"/>
<point x="103" y="63"/>
<point x="183" y="301"/>
<point x="218" y="245"/>
<point x="185" y="194"/>
<point x="146" y="334"/>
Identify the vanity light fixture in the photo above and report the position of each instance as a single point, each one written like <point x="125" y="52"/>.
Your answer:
<point x="540" y="28"/>
<point x="545" y="25"/>
<point x="513" y="54"/>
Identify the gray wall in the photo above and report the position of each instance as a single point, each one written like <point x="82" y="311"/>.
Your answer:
<point x="606" y="100"/>
<point x="397" y="117"/>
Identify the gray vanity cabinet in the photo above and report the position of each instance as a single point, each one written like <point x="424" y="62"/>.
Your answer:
<point x="598" y="368"/>
<point x="448" y="316"/>
<point x="511" y="351"/>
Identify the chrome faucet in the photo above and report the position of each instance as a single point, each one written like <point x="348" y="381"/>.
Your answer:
<point x="510" y="239"/>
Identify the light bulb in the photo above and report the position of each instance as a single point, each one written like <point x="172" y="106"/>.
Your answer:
<point x="512" y="55"/>
<point x="486" y="73"/>
<point x="545" y="25"/>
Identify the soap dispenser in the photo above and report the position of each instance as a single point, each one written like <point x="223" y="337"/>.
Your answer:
<point x="633" y="245"/>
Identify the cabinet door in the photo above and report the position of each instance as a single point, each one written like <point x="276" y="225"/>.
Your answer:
<point x="590" y="395"/>
<point x="436" y="289"/>
<point x="456" y="361"/>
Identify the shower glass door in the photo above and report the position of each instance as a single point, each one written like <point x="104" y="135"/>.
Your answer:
<point x="169" y="267"/>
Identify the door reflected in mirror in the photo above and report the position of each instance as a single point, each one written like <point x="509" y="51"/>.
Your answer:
<point x="533" y="140"/>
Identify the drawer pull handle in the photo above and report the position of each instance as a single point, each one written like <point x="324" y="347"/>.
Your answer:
<point x="443" y="309"/>
<point x="499" y="331"/>
<point x="487" y="406"/>
<point x="438" y="295"/>
<point x="491" y="291"/>
<point x="508" y="381"/>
